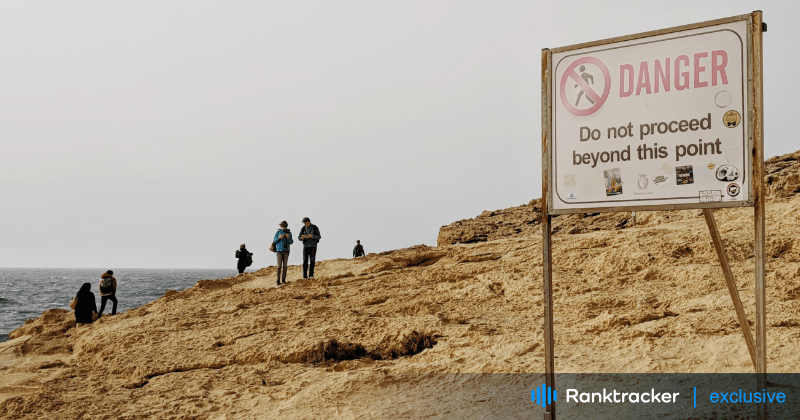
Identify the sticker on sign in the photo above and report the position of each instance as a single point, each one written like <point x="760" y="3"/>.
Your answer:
<point x="644" y="122"/>
<point x="710" y="196"/>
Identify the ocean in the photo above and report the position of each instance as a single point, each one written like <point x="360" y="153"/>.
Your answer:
<point x="27" y="292"/>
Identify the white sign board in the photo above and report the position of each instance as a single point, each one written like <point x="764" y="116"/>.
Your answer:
<point x="656" y="122"/>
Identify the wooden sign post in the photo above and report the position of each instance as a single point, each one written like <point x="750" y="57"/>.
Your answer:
<point x="665" y="120"/>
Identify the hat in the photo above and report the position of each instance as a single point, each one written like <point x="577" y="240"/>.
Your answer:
<point x="283" y="224"/>
<point x="306" y="219"/>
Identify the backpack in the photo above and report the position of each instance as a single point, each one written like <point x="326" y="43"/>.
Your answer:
<point x="107" y="285"/>
<point x="249" y="259"/>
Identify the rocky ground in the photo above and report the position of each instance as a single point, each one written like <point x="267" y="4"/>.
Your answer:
<point x="402" y="333"/>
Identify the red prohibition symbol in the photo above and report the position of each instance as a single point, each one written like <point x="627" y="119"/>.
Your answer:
<point x="570" y="73"/>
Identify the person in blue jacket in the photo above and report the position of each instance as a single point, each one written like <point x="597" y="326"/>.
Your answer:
<point x="282" y="241"/>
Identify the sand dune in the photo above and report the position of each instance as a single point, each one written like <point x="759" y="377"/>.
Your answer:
<point x="645" y="299"/>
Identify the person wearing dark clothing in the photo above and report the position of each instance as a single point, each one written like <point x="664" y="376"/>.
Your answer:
<point x="358" y="251"/>
<point x="245" y="258"/>
<point x="108" y="292"/>
<point x="85" y="306"/>
<point x="282" y="241"/>
<point x="309" y="234"/>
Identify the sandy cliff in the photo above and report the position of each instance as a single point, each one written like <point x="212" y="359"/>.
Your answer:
<point x="645" y="299"/>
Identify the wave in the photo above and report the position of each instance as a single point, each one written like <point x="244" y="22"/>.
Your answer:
<point x="4" y="301"/>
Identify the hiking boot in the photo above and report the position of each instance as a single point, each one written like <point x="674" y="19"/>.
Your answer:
<point x="279" y="283"/>
<point x="284" y="282"/>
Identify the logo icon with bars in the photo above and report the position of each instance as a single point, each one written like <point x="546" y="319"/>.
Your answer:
<point x="543" y="395"/>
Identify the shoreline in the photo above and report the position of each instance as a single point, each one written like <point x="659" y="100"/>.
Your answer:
<point x="25" y="293"/>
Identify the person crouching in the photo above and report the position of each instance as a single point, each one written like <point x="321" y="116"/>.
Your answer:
<point x="85" y="306"/>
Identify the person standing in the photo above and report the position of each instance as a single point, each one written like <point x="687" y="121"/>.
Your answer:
<point x="310" y="236"/>
<point x="358" y="251"/>
<point x="85" y="306"/>
<point x="108" y="291"/>
<point x="245" y="258"/>
<point x="283" y="239"/>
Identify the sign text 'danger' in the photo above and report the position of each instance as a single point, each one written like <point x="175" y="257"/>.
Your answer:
<point x="682" y="72"/>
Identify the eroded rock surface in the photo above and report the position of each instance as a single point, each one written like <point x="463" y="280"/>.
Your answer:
<point x="782" y="180"/>
<point x="364" y="338"/>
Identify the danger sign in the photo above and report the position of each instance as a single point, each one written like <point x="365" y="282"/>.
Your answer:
<point x="648" y="122"/>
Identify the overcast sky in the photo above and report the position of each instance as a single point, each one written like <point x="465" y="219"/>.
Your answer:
<point x="164" y="134"/>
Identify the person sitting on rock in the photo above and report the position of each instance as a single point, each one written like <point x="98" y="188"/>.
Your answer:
<point x="85" y="306"/>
